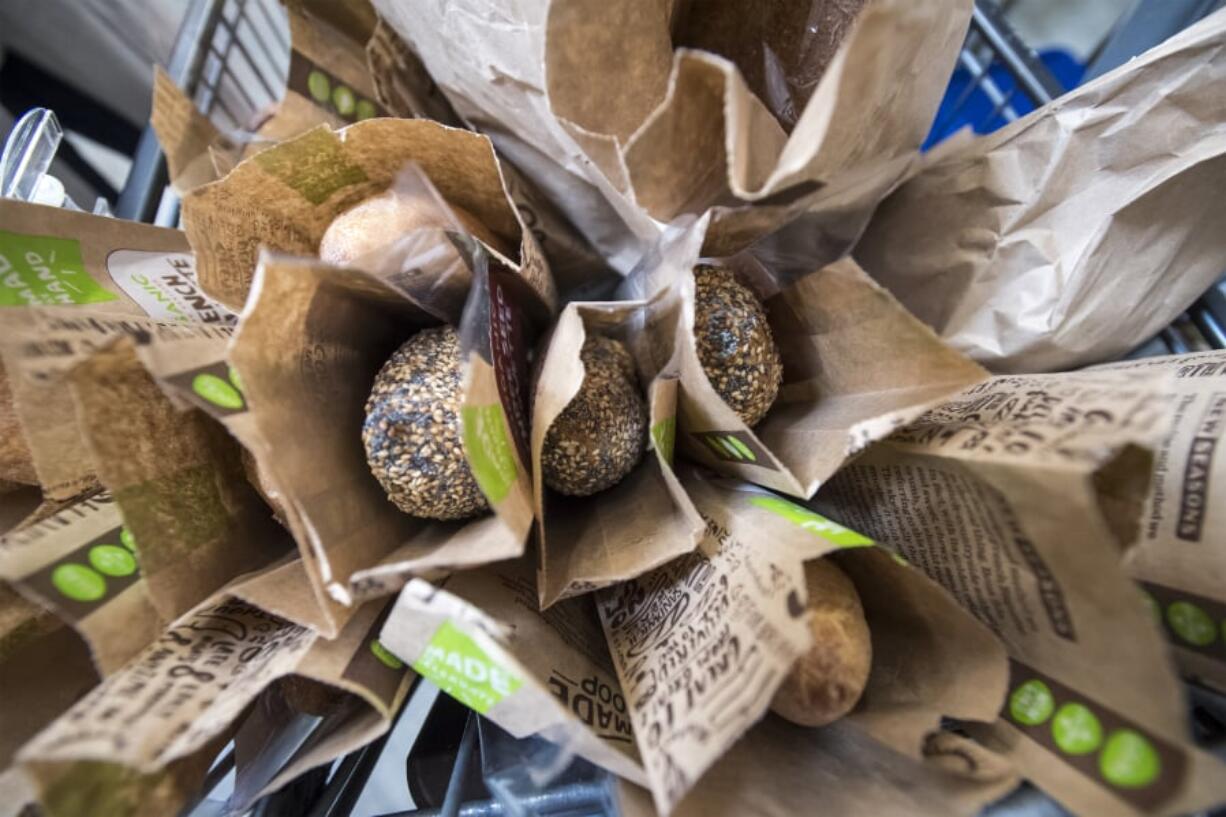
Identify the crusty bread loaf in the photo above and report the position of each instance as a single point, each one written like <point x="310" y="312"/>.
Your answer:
<point x="825" y="683"/>
<point x="376" y="224"/>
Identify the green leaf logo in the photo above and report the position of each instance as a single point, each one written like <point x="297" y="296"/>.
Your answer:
<point x="217" y="391"/>
<point x="1031" y="703"/>
<point x="78" y="582"/>
<point x="459" y="667"/>
<point x="487" y="447"/>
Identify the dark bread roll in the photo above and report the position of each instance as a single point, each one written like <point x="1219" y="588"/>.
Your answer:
<point x="600" y="436"/>
<point x="735" y="345"/>
<point x="412" y="430"/>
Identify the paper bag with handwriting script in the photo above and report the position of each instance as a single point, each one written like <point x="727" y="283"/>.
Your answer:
<point x="1019" y="496"/>
<point x="855" y="366"/>
<point x="184" y="691"/>
<point x="640" y="523"/>
<point x="1180" y="555"/>
<point x="285" y="197"/>
<point x="309" y="346"/>
<point x="618" y="129"/>
<point x="702" y="644"/>
<point x="191" y="517"/>
<point x="62" y="262"/>
<point x="1012" y="245"/>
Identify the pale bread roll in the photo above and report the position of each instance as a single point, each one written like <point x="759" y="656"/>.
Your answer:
<point x="376" y="224"/>
<point x="825" y="683"/>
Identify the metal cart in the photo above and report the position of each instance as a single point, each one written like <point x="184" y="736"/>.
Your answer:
<point x="232" y="57"/>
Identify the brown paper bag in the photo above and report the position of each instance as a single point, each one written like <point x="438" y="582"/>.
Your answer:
<point x="178" y="696"/>
<point x="80" y="563"/>
<point x="855" y="366"/>
<point x="1011" y="245"/>
<point x="121" y="275"/>
<point x="285" y="197"/>
<point x="192" y="518"/>
<point x="702" y="644"/>
<point x="44" y="668"/>
<point x="1180" y="555"/>
<point x="646" y="519"/>
<point x="310" y="343"/>
<point x="618" y="130"/>
<point x="1018" y="496"/>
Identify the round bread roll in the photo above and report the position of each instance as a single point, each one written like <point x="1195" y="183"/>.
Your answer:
<point x="600" y="436"/>
<point x="825" y="683"/>
<point x="375" y="224"/>
<point x="412" y="430"/>
<point x="735" y="345"/>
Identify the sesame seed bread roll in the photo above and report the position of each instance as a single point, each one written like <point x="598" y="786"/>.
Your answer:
<point x="600" y="436"/>
<point x="412" y="430"/>
<point x="735" y="345"/>
<point x="825" y="683"/>
<point x="375" y="224"/>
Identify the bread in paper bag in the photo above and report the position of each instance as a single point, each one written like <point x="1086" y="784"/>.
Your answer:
<point x="1072" y="235"/>
<point x="855" y="366"/>
<point x="68" y="282"/>
<point x="644" y="519"/>
<point x="1031" y="488"/>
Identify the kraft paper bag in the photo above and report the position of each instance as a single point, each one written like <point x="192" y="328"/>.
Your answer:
<point x="856" y="365"/>
<point x="1074" y="234"/>
<point x="585" y="543"/>
<point x="80" y="564"/>
<point x="1180" y="555"/>
<point x="1019" y="496"/>
<point x="619" y="119"/>
<point x="178" y="700"/>
<point x="57" y="268"/>
<point x="284" y="198"/>
<point x="293" y="386"/>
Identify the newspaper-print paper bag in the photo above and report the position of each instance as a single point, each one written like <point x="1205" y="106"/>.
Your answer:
<point x="285" y="197"/>
<point x="618" y="129"/>
<point x="1072" y="235"/>
<point x="1180" y="555"/>
<point x="173" y="702"/>
<point x="67" y="263"/>
<point x="1018" y="496"/>
<point x="855" y="366"/>
<point x="646" y="519"/>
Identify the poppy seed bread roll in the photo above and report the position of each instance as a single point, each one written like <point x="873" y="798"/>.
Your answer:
<point x="735" y="345"/>
<point x="412" y="430"/>
<point x="377" y="223"/>
<point x="825" y="683"/>
<point x="600" y="436"/>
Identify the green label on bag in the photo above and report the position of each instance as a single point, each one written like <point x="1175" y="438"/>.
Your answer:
<point x="314" y="165"/>
<point x="455" y="663"/>
<point x="38" y="270"/>
<point x="664" y="434"/>
<point x="812" y="522"/>
<point x="488" y="449"/>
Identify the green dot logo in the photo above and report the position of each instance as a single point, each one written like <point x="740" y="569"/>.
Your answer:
<point x="232" y="373"/>
<point x="127" y="539"/>
<point x="78" y="582"/>
<point x="366" y="109"/>
<point x="1128" y="760"/>
<point x="1031" y="703"/>
<point x="1076" y="729"/>
<point x="1155" y="609"/>
<point x="319" y="86"/>
<point x="217" y="391"/>
<point x="112" y="560"/>
<point x="344" y="100"/>
<point x="1191" y="623"/>
<point x="385" y="657"/>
